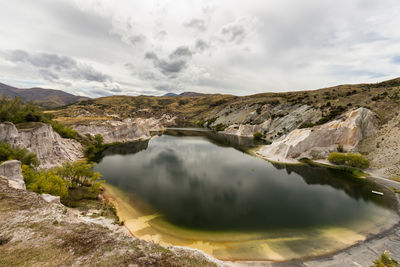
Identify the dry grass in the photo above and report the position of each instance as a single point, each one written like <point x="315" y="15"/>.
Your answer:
<point x="382" y="98"/>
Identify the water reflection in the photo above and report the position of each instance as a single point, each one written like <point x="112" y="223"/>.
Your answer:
<point x="197" y="184"/>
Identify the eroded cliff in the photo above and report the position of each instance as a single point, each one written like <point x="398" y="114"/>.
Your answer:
<point x="317" y="142"/>
<point x="40" y="138"/>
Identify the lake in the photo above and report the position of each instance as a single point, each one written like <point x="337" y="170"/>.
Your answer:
<point x="200" y="189"/>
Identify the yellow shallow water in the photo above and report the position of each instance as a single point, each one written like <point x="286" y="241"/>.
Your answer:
<point x="282" y="245"/>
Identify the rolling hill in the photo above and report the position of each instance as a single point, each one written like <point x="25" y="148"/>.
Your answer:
<point x="48" y="98"/>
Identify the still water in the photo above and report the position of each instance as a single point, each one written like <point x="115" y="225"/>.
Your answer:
<point x="194" y="188"/>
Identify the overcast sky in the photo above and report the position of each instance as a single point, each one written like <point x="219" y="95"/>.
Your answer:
<point x="104" y="47"/>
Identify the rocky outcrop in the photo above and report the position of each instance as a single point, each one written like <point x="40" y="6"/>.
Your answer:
<point x="39" y="138"/>
<point x="9" y="134"/>
<point x="12" y="171"/>
<point x="272" y="124"/>
<point x="319" y="141"/>
<point x="124" y="131"/>
<point x="51" y="199"/>
<point x="242" y="129"/>
<point x="382" y="149"/>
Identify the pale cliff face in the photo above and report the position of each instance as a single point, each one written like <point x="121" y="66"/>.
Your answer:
<point x="50" y="148"/>
<point x="124" y="131"/>
<point x="272" y="128"/>
<point x="12" y="170"/>
<point x="319" y="141"/>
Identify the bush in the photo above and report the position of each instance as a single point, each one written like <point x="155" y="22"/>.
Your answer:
<point x="306" y="125"/>
<point x="385" y="261"/>
<point x="21" y="154"/>
<point x="219" y="127"/>
<point x="94" y="147"/>
<point x="350" y="159"/>
<point x="79" y="173"/>
<point x="59" y="181"/>
<point x="63" y="130"/>
<point x="45" y="182"/>
<point x="257" y="135"/>
<point x="337" y="158"/>
<point x="357" y="161"/>
<point x="16" y="111"/>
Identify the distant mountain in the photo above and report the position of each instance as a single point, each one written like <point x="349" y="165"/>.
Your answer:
<point x="184" y="94"/>
<point x="48" y="98"/>
<point x="191" y="94"/>
<point x="170" y="94"/>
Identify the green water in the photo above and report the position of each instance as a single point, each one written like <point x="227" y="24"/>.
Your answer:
<point x="197" y="180"/>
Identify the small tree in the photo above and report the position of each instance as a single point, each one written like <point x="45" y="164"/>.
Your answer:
<point x="79" y="173"/>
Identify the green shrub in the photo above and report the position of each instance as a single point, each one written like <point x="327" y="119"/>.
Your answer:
<point x="257" y="135"/>
<point x="350" y="159"/>
<point x="70" y="177"/>
<point x="357" y="161"/>
<point x="94" y="147"/>
<point x="46" y="182"/>
<point x="21" y="154"/>
<point x="64" y="130"/>
<point x="337" y="158"/>
<point x="385" y="261"/>
<point x="219" y="127"/>
<point x="16" y="111"/>
<point x="306" y="125"/>
<point x="79" y="173"/>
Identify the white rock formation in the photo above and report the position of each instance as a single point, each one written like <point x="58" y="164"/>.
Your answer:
<point x="286" y="120"/>
<point x="12" y="171"/>
<point x="51" y="149"/>
<point x="319" y="141"/>
<point x="51" y="199"/>
<point x="124" y="131"/>
<point x="242" y="129"/>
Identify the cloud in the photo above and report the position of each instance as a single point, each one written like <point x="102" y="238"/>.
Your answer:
<point x="181" y="51"/>
<point x="201" y="45"/>
<point x="52" y="66"/>
<point x="175" y="63"/>
<point x="237" y="31"/>
<point x="129" y="32"/>
<point x="197" y="24"/>
<point x="213" y="46"/>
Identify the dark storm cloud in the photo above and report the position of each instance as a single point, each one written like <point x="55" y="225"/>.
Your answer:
<point x="52" y="66"/>
<point x="197" y="24"/>
<point x="176" y="62"/>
